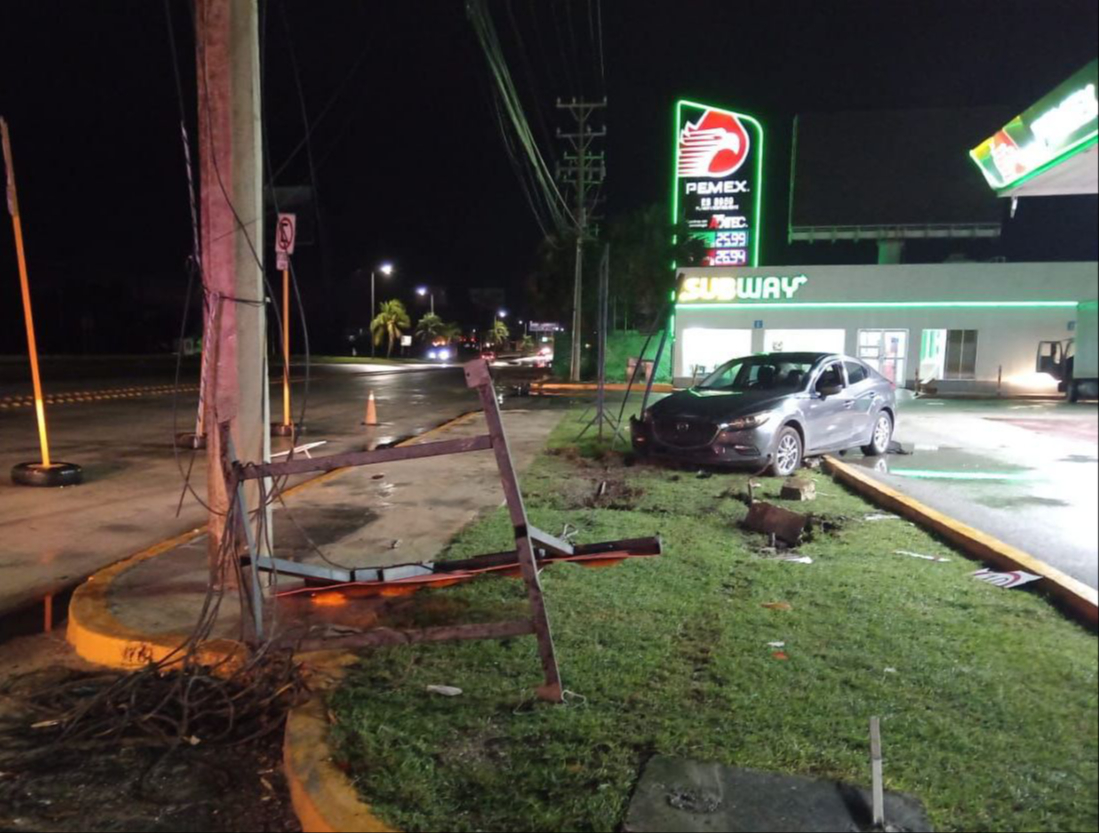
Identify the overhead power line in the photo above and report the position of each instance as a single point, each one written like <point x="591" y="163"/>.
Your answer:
<point x="511" y="104"/>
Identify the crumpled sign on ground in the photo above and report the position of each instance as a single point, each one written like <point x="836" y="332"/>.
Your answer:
<point x="1014" y="578"/>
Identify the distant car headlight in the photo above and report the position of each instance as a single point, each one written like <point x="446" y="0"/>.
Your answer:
<point x="443" y="354"/>
<point x="432" y="354"/>
<point x="744" y="423"/>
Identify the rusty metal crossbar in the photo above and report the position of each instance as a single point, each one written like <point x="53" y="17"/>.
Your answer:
<point x="531" y="543"/>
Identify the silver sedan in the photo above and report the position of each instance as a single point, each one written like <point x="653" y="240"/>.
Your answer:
<point x="773" y="409"/>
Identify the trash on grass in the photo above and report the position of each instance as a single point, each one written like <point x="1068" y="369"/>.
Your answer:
<point x="1014" y="578"/>
<point x="881" y="516"/>
<point x="920" y="555"/>
<point x="445" y="690"/>
<point x="776" y="644"/>
<point x="704" y="475"/>
<point x="794" y="558"/>
<point x="777" y="605"/>
<point x="780" y="655"/>
<point x="890" y="670"/>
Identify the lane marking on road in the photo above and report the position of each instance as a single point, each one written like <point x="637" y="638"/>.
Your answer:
<point x="75" y="397"/>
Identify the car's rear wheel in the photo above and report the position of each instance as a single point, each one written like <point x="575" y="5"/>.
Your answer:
<point x="879" y="440"/>
<point x="788" y="452"/>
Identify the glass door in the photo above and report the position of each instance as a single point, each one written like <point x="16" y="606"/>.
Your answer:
<point x="885" y="351"/>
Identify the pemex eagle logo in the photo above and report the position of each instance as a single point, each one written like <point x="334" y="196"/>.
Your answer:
<point x="714" y="146"/>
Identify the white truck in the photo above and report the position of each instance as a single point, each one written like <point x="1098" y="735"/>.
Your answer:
<point x="1075" y="362"/>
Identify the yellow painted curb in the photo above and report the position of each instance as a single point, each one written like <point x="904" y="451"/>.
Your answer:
<point x="323" y="797"/>
<point x="1081" y="600"/>
<point x="97" y="636"/>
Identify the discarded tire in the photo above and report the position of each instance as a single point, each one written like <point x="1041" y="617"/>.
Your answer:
<point x="279" y="429"/>
<point x="55" y="474"/>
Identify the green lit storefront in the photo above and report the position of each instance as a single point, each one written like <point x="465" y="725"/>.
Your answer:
<point x="965" y="327"/>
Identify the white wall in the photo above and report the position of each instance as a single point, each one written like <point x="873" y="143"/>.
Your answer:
<point x="1007" y="336"/>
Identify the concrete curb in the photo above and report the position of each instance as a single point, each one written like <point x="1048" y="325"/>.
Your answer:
<point x="97" y="636"/>
<point x="1079" y="599"/>
<point x="322" y="796"/>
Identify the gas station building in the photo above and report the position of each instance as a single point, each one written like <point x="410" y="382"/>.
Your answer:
<point x="963" y="327"/>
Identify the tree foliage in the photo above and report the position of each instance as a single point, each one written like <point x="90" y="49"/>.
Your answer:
<point x="390" y="323"/>
<point x="430" y="327"/>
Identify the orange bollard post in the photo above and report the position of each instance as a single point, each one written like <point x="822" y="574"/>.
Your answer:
<point x="48" y="472"/>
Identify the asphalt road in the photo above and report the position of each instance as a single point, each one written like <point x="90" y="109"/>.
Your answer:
<point x="52" y="538"/>
<point x="1024" y="472"/>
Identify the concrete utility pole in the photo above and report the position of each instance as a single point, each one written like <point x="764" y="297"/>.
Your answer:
<point x="230" y="160"/>
<point x="584" y="171"/>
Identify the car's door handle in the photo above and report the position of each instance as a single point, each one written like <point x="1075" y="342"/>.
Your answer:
<point x="849" y="404"/>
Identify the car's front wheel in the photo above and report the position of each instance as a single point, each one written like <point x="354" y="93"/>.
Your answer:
<point x="788" y="451"/>
<point x="879" y="440"/>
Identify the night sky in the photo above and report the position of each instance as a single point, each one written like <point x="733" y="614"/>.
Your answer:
<point x="408" y="159"/>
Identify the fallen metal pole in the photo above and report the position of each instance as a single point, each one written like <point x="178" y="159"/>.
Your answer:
<point x="254" y="471"/>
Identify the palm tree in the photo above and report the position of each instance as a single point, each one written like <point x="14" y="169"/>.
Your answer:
<point x="430" y="327"/>
<point x="499" y="334"/>
<point x="390" y="322"/>
<point x="452" y="332"/>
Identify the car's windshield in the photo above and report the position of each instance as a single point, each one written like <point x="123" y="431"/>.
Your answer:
<point x="758" y="373"/>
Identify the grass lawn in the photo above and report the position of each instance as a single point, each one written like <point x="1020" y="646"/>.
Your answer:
<point x="987" y="696"/>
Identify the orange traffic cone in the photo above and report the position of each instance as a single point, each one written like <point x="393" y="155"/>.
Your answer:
<point x="371" y="411"/>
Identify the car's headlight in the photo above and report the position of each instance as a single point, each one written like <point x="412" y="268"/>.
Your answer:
<point x="744" y="423"/>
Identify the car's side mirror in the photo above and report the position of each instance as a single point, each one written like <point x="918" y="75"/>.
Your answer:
<point x="829" y="390"/>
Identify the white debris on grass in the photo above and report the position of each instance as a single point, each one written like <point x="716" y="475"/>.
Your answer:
<point x="445" y="690"/>
<point x="921" y="555"/>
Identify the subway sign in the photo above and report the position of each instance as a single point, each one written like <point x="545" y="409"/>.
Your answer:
<point x="1063" y="123"/>
<point x="749" y="288"/>
<point x="718" y="182"/>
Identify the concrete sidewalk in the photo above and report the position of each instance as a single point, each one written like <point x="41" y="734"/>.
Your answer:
<point x="370" y="516"/>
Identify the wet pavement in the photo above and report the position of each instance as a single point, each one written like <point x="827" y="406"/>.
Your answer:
<point x="51" y="539"/>
<point x="1024" y="472"/>
<point x="372" y="516"/>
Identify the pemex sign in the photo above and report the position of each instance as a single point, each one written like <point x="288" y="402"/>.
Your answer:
<point x="718" y="181"/>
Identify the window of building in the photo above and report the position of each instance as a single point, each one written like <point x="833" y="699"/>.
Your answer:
<point x="704" y="348"/>
<point x="961" y="354"/>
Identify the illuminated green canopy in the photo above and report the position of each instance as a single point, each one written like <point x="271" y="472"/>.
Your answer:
<point x="1049" y="148"/>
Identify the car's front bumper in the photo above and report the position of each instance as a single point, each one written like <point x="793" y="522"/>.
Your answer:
<point x="753" y="446"/>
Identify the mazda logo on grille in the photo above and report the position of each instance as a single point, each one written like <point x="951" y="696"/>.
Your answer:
<point x="683" y="426"/>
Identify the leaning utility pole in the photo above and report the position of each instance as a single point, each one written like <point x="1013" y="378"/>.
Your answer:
<point x="231" y="204"/>
<point x="584" y="171"/>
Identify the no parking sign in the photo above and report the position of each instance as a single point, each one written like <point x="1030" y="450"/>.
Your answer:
<point x="286" y="230"/>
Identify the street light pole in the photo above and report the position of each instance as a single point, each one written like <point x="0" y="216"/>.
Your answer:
<point x="385" y="269"/>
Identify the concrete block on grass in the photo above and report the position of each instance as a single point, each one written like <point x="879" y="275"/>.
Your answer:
<point x="678" y="794"/>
